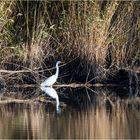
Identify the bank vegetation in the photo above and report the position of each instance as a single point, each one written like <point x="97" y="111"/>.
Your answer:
<point x="95" y="39"/>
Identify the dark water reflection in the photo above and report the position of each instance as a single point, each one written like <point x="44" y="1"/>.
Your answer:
<point x="88" y="116"/>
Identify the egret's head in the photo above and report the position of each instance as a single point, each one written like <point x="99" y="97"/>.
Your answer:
<point x="58" y="62"/>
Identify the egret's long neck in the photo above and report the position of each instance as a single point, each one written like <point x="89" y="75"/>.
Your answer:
<point x="57" y="70"/>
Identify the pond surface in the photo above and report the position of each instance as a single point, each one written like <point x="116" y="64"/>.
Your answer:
<point x="88" y="115"/>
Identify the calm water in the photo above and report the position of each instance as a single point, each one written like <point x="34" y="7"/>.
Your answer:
<point x="87" y="115"/>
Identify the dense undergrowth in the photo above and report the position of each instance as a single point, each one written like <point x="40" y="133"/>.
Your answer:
<point x="93" y="38"/>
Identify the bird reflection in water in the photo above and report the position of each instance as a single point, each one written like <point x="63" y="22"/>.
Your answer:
<point x="52" y="93"/>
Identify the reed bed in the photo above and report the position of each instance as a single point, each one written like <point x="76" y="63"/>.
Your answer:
<point x="94" y="38"/>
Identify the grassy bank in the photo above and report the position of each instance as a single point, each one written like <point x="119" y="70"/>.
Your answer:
<point x="94" y="38"/>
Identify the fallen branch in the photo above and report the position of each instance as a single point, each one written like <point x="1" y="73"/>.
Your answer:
<point x="72" y="85"/>
<point x="13" y="72"/>
<point x="15" y="101"/>
<point x="75" y="85"/>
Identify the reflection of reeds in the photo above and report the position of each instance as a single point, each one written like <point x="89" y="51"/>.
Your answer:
<point x="101" y="124"/>
<point x="122" y="122"/>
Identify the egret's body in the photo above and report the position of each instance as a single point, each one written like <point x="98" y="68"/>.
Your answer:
<point x="52" y="79"/>
<point x="52" y="93"/>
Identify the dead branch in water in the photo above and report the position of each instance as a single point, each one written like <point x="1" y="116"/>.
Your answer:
<point x="33" y="101"/>
<point x="75" y="85"/>
<point x="19" y="101"/>
<point x="72" y="85"/>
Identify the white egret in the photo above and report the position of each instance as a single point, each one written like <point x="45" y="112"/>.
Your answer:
<point x="52" y="79"/>
<point x="52" y="93"/>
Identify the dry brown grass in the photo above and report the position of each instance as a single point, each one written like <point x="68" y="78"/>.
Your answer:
<point x="103" y="35"/>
